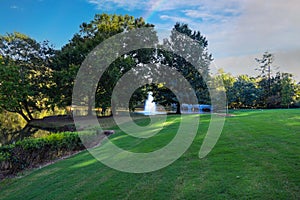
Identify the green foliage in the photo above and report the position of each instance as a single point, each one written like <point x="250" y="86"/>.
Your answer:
<point x="244" y="92"/>
<point x="195" y="75"/>
<point x="43" y="78"/>
<point x="270" y="85"/>
<point x="35" y="77"/>
<point x="287" y="89"/>
<point x="265" y="65"/>
<point x="250" y="92"/>
<point x="34" y="151"/>
<point x="69" y="59"/>
<point x="24" y="74"/>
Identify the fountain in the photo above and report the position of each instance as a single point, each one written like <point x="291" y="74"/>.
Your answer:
<point x="150" y="106"/>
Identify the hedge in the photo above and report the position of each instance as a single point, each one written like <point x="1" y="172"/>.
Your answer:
<point x="31" y="152"/>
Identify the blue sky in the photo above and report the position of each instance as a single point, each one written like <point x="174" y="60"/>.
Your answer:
<point x="237" y="30"/>
<point x="57" y="20"/>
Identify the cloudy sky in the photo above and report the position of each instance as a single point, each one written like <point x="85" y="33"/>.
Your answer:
<point x="237" y="30"/>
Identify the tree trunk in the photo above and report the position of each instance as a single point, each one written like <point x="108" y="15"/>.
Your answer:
<point x="90" y="110"/>
<point x="90" y="107"/>
<point x="113" y="108"/>
<point x="24" y="116"/>
<point x="20" y="112"/>
<point x="178" y="110"/>
<point x="27" y="110"/>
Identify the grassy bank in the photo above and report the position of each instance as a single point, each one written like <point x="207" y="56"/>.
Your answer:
<point x="256" y="157"/>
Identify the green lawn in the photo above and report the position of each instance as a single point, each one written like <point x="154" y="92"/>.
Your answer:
<point x="256" y="157"/>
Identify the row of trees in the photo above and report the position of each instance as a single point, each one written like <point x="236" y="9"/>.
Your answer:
<point x="34" y="76"/>
<point x="268" y="90"/>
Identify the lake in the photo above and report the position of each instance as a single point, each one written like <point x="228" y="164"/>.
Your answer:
<point x="14" y="128"/>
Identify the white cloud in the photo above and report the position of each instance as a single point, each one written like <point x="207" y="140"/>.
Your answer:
<point x="175" y="19"/>
<point x="115" y="4"/>
<point x="270" y="25"/>
<point x="14" y="7"/>
<point x="286" y="61"/>
<point x="236" y="30"/>
<point x="198" y="14"/>
<point x="259" y="27"/>
<point x="164" y="5"/>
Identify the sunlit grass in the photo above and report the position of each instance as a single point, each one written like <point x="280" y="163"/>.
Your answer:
<point x="256" y="157"/>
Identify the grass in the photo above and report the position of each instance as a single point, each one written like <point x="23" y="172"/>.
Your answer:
<point x="256" y="157"/>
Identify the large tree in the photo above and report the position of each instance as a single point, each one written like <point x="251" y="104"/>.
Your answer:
<point x="227" y="81"/>
<point x="245" y="92"/>
<point x="24" y="74"/>
<point x="195" y="75"/>
<point x="71" y="56"/>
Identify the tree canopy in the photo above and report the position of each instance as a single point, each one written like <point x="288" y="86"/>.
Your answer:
<point x="35" y="77"/>
<point x="24" y="74"/>
<point x="68" y="60"/>
<point x="195" y="75"/>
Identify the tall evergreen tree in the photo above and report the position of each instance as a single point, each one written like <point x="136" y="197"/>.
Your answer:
<point x="266" y="69"/>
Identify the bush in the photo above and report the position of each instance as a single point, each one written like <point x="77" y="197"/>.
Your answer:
<point x="33" y="151"/>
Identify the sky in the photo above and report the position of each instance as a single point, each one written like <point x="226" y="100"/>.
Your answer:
<point x="238" y="31"/>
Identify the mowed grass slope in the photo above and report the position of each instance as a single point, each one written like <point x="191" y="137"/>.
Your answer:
<point x="256" y="157"/>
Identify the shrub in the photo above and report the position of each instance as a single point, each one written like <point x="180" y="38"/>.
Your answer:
<point x="33" y="151"/>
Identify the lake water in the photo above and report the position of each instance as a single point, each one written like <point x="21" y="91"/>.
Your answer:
<point x="14" y="128"/>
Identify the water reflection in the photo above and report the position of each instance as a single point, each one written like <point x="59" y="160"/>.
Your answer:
<point x="14" y="128"/>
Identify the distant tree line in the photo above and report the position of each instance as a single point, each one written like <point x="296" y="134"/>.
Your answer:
<point x="34" y="76"/>
<point x="268" y="90"/>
